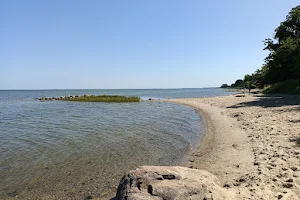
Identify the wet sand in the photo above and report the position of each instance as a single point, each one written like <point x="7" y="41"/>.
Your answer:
<point x="252" y="144"/>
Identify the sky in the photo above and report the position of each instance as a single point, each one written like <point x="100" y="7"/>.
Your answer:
<point x="98" y="44"/>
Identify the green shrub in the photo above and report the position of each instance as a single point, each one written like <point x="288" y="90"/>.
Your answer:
<point x="286" y="87"/>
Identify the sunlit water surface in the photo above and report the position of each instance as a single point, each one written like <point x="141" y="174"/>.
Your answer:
<point x="71" y="150"/>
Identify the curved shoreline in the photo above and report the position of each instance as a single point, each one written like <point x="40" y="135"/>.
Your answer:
<point x="251" y="144"/>
<point x="207" y="138"/>
<point x="219" y="152"/>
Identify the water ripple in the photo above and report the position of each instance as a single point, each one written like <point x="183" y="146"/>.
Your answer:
<point x="66" y="144"/>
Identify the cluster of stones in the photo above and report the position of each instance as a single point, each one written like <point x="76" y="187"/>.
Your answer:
<point x="61" y="98"/>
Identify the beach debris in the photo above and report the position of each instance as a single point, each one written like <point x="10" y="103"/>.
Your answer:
<point x="294" y="168"/>
<point x="88" y="197"/>
<point x="240" y="95"/>
<point x="12" y="194"/>
<point x="287" y="185"/>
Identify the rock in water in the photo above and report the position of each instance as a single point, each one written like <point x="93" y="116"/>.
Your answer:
<point x="172" y="183"/>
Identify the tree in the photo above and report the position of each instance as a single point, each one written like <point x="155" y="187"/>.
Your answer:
<point x="258" y="77"/>
<point x="283" y="61"/>
<point x="238" y="84"/>
<point x="224" y="86"/>
<point x="282" y="65"/>
<point x="248" y="82"/>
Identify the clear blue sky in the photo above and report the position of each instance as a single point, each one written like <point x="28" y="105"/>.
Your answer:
<point x="58" y="44"/>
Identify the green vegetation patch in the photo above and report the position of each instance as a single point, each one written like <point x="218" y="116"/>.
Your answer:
<point x="281" y="69"/>
<point x="286" y="87"/>
<point x="104" y="98"/>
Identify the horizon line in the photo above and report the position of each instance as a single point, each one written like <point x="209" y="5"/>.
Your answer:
<point x="109" y="89"/>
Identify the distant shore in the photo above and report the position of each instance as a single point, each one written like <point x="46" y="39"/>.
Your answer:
<point x="252" y="144"/>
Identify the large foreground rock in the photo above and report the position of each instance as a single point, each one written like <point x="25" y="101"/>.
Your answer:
<point x="170" y="183"/>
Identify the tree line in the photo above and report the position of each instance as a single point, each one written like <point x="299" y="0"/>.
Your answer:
<point x="281" y="68"/>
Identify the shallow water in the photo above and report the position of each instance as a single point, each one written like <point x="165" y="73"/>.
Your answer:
<point x="62" y="150"/>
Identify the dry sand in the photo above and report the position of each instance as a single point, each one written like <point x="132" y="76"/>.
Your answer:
<point x="252" y="144"/>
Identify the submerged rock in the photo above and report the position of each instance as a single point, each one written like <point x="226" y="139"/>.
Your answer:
<point x="172" y="183"/>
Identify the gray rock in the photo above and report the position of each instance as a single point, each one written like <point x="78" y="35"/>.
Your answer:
<point x="171" y="183"/>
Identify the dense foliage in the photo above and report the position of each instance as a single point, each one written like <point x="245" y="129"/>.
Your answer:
<point x="286" y="87"/>
<point x="238" y="84"/>
<point x="224" y="86"/>
<point x="283" y="62"/>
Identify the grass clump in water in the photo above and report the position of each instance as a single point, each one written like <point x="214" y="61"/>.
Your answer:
<point x="104" y="98"/>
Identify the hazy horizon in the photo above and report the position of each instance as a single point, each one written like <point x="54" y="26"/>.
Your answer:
<point x="109" y="89"/>
<point x="133" y="44"/>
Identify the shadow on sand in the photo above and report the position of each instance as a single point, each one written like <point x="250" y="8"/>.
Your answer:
<point x="296" y="140"/>
<point x="295" y="121"/>
<point x="269" y="101"/>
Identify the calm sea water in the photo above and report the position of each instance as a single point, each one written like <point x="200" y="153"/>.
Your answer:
<point x="71" y="150"/>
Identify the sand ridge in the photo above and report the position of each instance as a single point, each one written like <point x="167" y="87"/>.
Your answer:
<point x="252" y="144"/>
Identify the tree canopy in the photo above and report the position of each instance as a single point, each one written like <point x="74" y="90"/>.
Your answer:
<point x="283" y="62"/>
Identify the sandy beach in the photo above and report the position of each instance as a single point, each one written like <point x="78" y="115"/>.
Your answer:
<point x="252" y="144"/>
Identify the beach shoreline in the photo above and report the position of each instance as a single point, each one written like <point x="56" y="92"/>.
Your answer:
<point x="246" y="145"/>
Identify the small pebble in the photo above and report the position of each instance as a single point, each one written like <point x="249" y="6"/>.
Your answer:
<point x="290" y="180"/>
